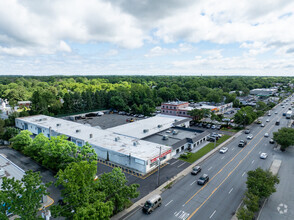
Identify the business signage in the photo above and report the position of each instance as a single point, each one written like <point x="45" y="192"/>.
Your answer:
<point x="162" y="155"/>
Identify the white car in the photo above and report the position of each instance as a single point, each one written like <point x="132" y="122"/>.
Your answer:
<point x="276" y="112"/>
<point x="223" y="150"/>
<point x="267" y="120"/>
<point x="263" y="156"/>
<point x="266" y="135"/>
<point x="262" y="125"/>
<point x="250" y="136"/>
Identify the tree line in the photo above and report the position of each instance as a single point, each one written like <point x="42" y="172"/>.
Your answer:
<point x="138" y="94"/>
<point x="85" y="196"/>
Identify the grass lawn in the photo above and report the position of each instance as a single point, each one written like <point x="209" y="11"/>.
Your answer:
<point x="232" y="129"/>
<point x="195" y="156"/>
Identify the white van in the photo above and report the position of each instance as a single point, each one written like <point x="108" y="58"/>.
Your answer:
<point x="152" y="203"/>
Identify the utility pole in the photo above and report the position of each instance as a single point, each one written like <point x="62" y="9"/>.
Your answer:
<point x="158" y="166"/>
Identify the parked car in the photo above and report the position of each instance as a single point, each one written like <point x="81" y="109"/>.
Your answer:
<point x="223" y="150"/>
<point x="284" y="114"/>
<point x="242" y="143"/>
<point x="203" y="179"/>
<point x="196" y="170"/>
<point x="250" y="136"/>
<point x="263" y="156"/>
<point x="271" y="141"/>
<point x="208" y="125"/>
<point x="218" y="127"/>
<point x="213" y="126"/>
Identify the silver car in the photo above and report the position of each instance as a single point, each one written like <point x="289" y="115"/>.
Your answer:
<point x="223" y="150"/>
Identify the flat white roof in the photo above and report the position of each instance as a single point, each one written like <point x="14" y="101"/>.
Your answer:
<point x="154" y="125"/>
<point x="10" y="169"/>
<point x="143" y="150"/>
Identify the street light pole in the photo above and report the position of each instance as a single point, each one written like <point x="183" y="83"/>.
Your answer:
<point x="158" y="166"/>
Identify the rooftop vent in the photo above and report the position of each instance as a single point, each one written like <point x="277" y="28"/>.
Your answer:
<point x="58" y="125"/>
<point x="123" y="145"/>
<point x="135" y="143"/>
<point x="116" y="138"/>
<point x="159" y="126"/>
<point x="145" y="130"/>
<point x="176" y="120"/>
<point x="2" y="172"/>
<point x="164" y="137"/>
<point x="91" y="135"/>
<point x="78" y="131"/>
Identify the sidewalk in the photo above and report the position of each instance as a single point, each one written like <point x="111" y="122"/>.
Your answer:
<point x="125" y="213"/>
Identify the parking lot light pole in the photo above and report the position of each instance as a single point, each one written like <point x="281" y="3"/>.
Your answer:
<point x="158" y="166"/>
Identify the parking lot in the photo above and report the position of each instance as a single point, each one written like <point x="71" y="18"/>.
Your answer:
<point x="149" y="183"/>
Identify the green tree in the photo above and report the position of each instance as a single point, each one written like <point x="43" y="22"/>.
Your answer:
<point x="35" y="148"/>
<point x="23" y="197"/>
<point x="261" y="106"/>
<point x="284" y="137"/>
<point x="2" y="124"/>
<point x="252" y="202"/>
<point x="198" y="114"/>
<point x="22" y="140"/>
<point x="245" y="116"/>
<point x="118" y="103"/>
<point x="80" y="193"/>
<point x="114" y="185"/>
<point x="261" y="183"/>
<point x="9" y="133"/>
<point x="245" y="214"/>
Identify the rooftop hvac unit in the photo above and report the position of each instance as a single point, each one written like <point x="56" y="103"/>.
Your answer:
<point x="78" y="131"/>
<point x="159" y="126"/>
<point x="117" y="138"/>
<point x="91" y="135"/>
<point x="145" y="130"/>
<point x="164" y="137"/>
<point x="2" y="172"/>
<point x="135" y="143"/>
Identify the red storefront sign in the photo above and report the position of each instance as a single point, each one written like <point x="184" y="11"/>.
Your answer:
<point x="162" y="155"/>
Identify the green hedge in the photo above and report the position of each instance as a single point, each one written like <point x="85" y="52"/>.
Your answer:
<point x="195" y="156"/>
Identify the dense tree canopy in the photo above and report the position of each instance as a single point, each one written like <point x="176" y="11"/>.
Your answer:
<point x="62" y="94"/>
<point x="284" y="137"/>
<point x="23" y="197"/>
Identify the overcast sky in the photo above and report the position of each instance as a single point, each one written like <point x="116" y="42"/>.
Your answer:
<point x="209" y="37"/>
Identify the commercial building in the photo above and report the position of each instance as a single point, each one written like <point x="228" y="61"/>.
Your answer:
<point x="263" y="92"/>
<point x="126" y="151"/>
<point x="178" y="108"/>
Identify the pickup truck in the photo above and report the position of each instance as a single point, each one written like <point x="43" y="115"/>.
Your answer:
<point x="242" y="143"/>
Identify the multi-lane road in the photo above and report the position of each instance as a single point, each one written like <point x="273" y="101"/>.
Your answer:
<point x="221" y="196"/>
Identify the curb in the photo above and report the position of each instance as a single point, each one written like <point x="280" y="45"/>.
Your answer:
<point x="124" y="214"/>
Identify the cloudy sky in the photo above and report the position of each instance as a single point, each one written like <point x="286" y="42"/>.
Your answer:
<point x="209" y="37"/>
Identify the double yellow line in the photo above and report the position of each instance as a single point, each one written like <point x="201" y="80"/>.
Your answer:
<point x="227" y="175"/>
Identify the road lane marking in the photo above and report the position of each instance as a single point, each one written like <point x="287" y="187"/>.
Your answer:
<point x="212" y="214"/>
<point x="252" y="161"/>
<point x="223" y="157"/>
<point x="243" y="174"/>
<point x="210" y="168"/>
<point x="169" y="202"/>
<point x="196" y="210"/>
<point x="259" y="152"/>
<point x="192" y="183"/>
<point x="231" y="190"/>
<point x="181" y="164"/>
<point x="174" y="162"/>
<point x="233" y="148"/>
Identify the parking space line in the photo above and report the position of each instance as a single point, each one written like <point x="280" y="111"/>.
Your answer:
<point x="243" y="174"/>
<point x="223" y="157"/>
<point x="252" y="161"/>
<point x="174" y="162"/>
<point x="209" y="168"/>
<point x="231" y="190"/>
<point x="181" y="164"/>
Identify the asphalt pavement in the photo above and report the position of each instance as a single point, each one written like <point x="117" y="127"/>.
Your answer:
<point x="221" y="196"/>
